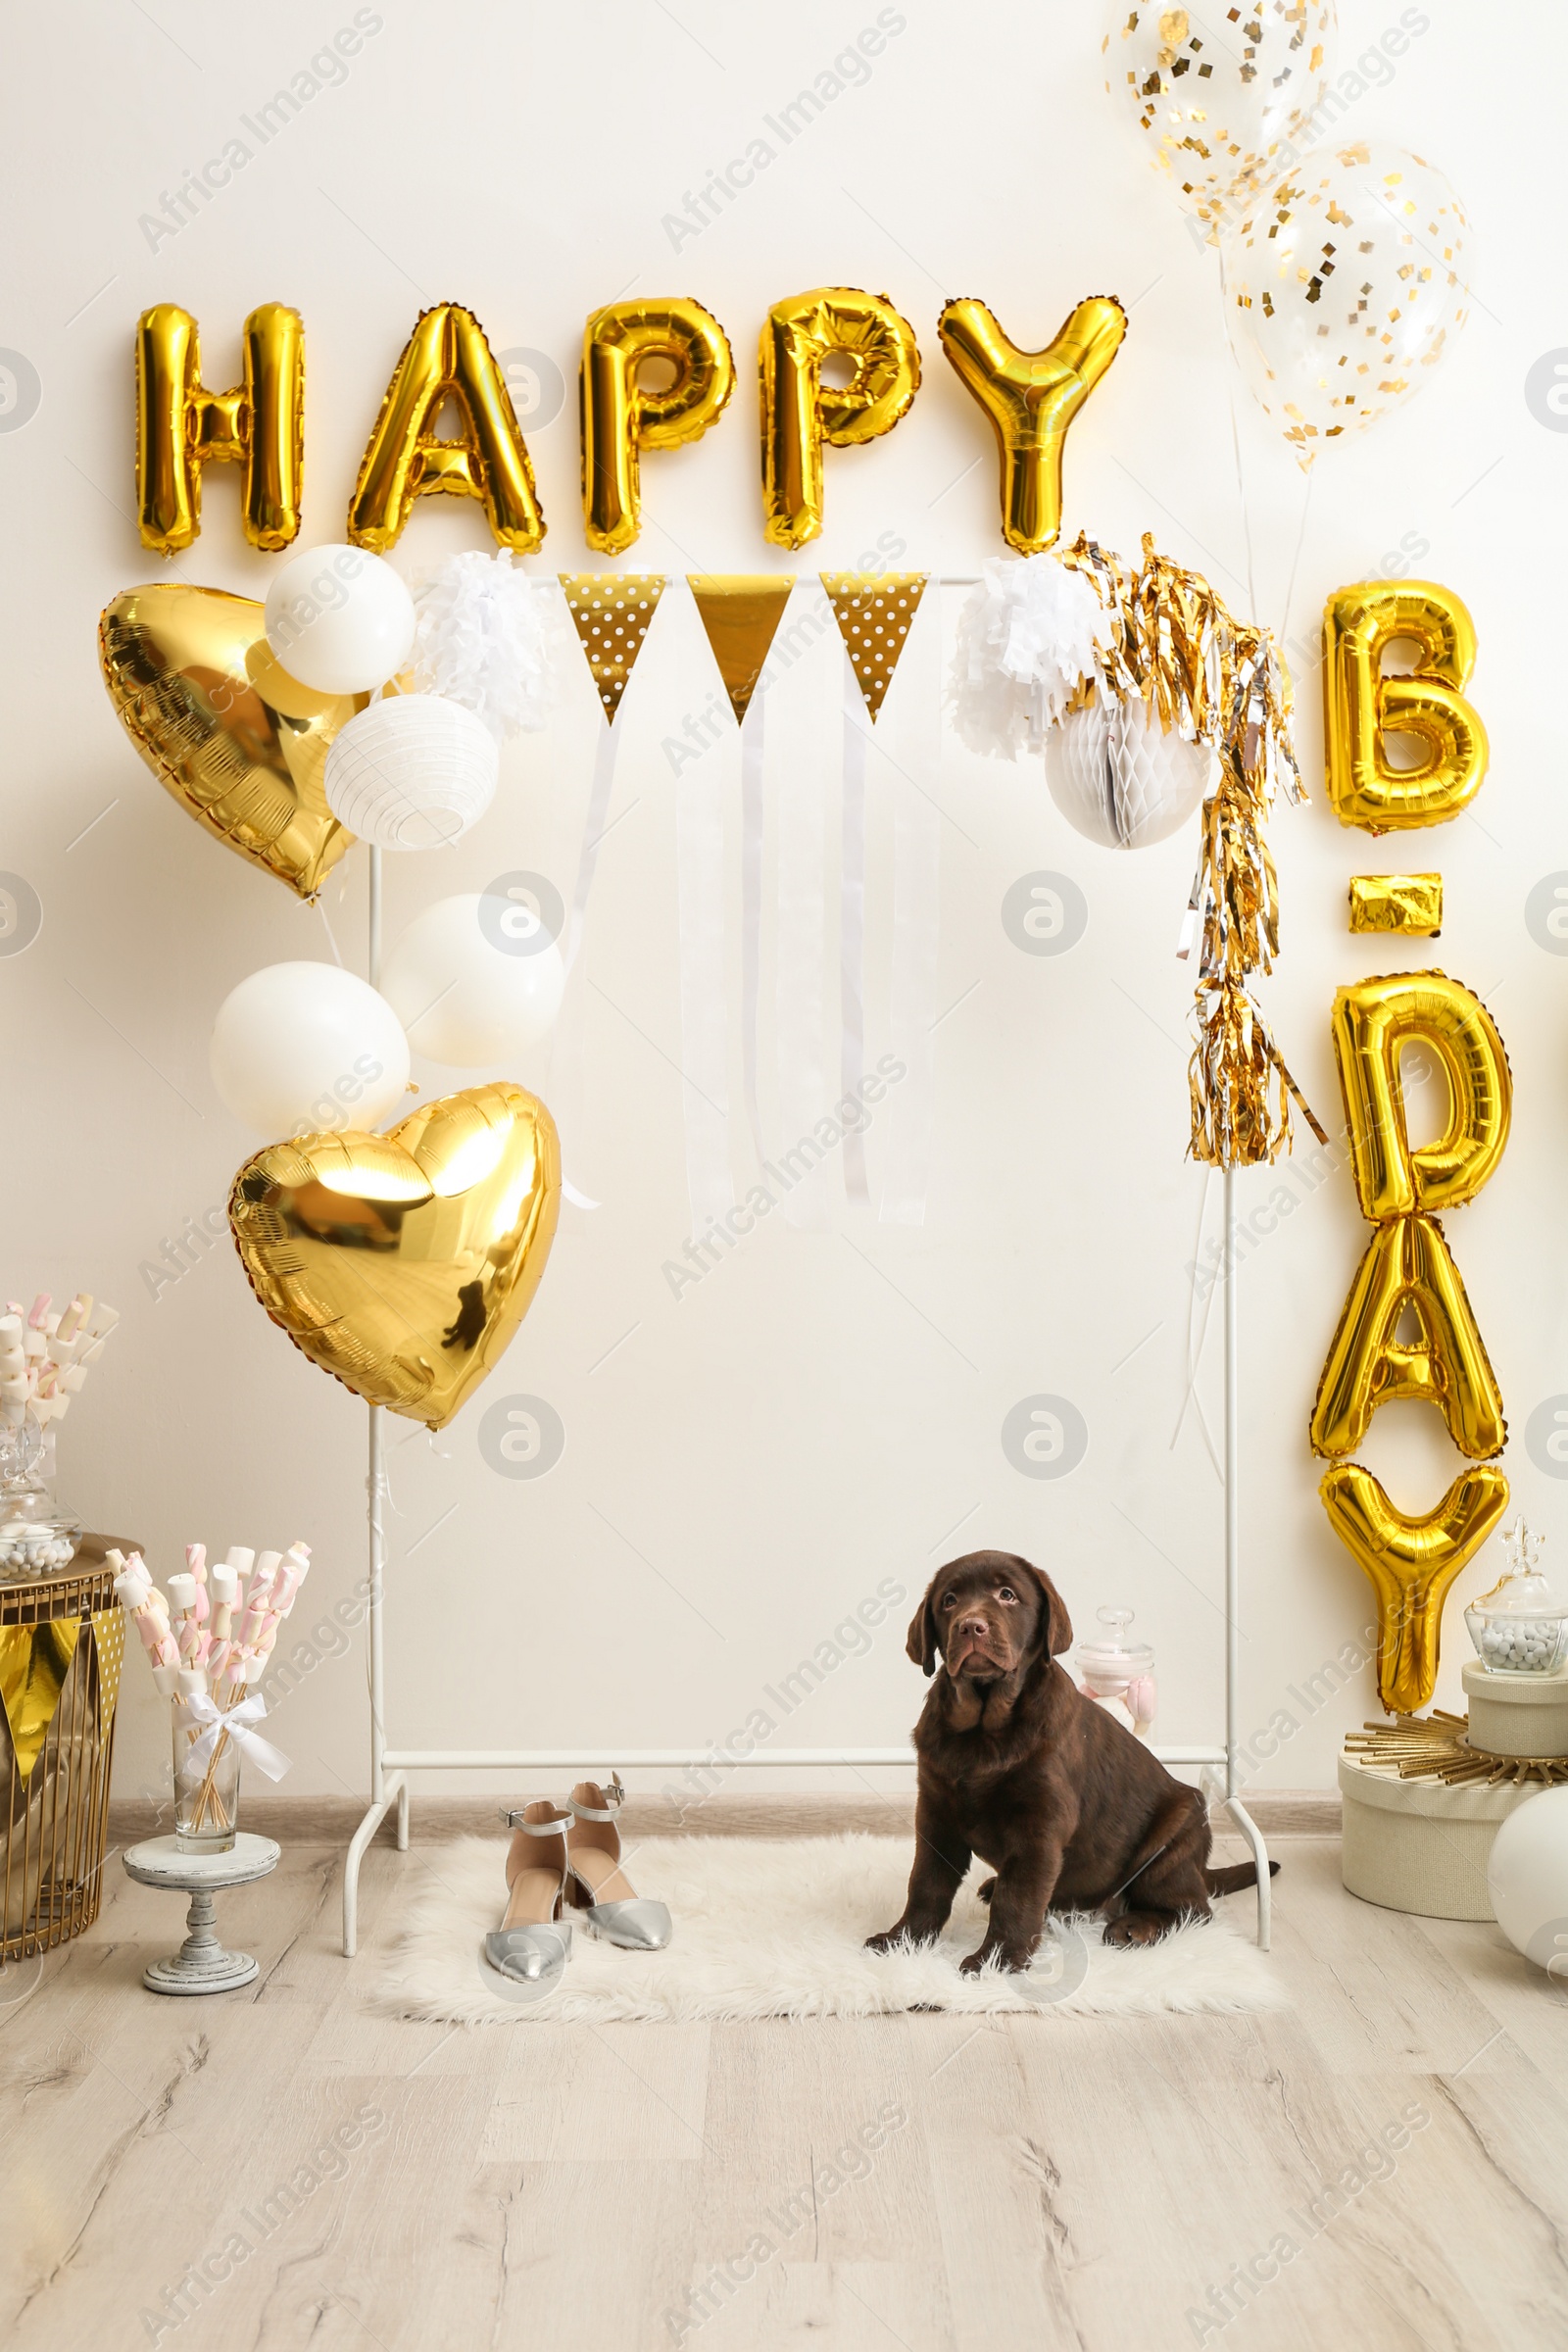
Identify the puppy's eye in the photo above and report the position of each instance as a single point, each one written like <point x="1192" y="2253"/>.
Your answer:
<point x="1007" y="1592"/>
<point x="949" y="1600"/>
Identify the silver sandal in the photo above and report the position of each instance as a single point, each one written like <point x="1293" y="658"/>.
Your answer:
<point x="595" y="1883"/>
<point x="533" y="1942"/>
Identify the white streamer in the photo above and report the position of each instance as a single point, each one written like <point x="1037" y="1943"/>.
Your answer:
<point x="917" y="903"/>
<point x="852" y="928"/>
<point x="800" y="948"/>
<point x="567" y="1048"/>
<point x="704" y="1023"/>
<point x="752" y="733"/>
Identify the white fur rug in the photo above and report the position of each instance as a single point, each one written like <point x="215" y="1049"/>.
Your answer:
<point x="775" y="1927"/>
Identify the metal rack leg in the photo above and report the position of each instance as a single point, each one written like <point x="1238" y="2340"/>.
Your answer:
<point x="1265" y="1894"/>
<point x="367" y="1830"/>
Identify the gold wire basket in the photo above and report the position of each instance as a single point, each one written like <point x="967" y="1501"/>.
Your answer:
<point x="62" y="1641"/>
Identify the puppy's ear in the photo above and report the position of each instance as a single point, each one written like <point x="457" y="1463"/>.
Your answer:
<point x="1058" y="1625"/>
<point x="922" y="1644"/>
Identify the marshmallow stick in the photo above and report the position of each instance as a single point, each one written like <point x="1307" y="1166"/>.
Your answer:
<point x="257" y="1600"/>
<point x="38" y="1312"/>
<point x="224" y="1587"/>
<point x="76" y="1315"/>
<point x="196" y="1563"/>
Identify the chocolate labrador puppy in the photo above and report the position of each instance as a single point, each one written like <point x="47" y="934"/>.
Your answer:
<point x="1015" y="1765"/>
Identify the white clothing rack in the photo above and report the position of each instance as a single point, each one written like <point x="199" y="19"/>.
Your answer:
<point x="390" y="1766"/>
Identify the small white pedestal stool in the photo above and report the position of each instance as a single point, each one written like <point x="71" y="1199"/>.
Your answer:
<point x="201" y="1965"/>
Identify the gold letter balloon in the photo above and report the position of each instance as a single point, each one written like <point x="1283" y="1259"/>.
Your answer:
<point x="446" y="355"/>
<point x="1373" y="1020"/>
<point x="403" y="1263"/>
<point x="799" y="413"/>
<point x="1361" y="706"/>
<point x="1031" y="398"/>
<point x="1411" y="1564"/>
<point x="230" y="736"/>
<point x="260" y="426"/>
<point x="620" y="416"/>
<point x="1408" y="1269"/>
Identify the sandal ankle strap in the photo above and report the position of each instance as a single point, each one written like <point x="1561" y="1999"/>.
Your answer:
<point x="614" y="1792"/>
<point x="515" y="1818"/>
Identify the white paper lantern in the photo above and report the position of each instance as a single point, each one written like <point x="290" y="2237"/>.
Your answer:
<point x="1119" y="777"/>
<point x="468" y="989"/>
<point x="340" y="621"/>
<point x="412" y="773"/>
<point x="1527" y="1878"/>
<point x="303" y="1047"/>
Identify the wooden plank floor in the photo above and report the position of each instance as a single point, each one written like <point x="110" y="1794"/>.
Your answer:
<point x="1099" y="2185"/>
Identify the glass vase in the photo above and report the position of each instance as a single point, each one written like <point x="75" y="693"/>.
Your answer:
<point x="206" y="1794"/>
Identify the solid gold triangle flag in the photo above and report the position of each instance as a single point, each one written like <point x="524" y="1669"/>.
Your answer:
<point x="34" y="1661"/>
<point x="874" y="611"/>
<point x="741" y="612"/>
<point x="610" y="612"/>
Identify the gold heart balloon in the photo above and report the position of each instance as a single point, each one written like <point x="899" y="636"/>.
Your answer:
<point x="239" y="744"/>
<point x="403" y="1263"/>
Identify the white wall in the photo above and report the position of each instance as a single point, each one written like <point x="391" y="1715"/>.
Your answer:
<point x="820" y="1413"/>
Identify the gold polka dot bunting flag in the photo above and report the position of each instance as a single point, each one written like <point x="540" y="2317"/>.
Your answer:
<point x="874" y="611"/>
<point x="740" y="613"/>
<point x="610" y="612"/>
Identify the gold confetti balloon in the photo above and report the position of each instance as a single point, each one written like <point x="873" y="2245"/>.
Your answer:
<point x="1344" y="289"/>
<point x="1223" y="98"/>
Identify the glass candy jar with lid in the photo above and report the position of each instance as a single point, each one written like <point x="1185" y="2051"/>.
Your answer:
<point x="35" y="1538"/>
<point x="1119" y="1671"/>
<point x="1521" y="1626"/>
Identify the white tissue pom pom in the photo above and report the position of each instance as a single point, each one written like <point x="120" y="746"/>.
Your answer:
<point x="483" y="640"/>
<point x="1026" y="643"/>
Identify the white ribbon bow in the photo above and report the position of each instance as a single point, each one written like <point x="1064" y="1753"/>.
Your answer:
<point x="237" y="1722"/>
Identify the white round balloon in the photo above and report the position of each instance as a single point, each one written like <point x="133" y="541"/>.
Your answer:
<point x="303" y="1047"/>
<point x="1527" y="1878"/>
<point x="412" y="773"/>
<point x="339" y="619"/>
<point x="470" y="986"/>
<point x="1120" y="778"/>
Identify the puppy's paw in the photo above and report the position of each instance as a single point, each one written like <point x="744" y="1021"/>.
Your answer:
<point x="889" y="1939"/>
<point x="974" y="1963"/>
<point x="1138" y="1927"/>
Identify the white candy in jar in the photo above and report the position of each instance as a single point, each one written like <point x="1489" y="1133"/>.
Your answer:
<point x="1521" y="1648"/>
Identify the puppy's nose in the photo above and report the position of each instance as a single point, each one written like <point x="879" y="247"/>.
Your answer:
<point x="976" y="1627"/>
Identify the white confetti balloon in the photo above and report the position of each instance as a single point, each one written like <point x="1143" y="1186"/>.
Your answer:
<point x="1118" y="777"/>
<point x="1344" y="288"/>
<point x="1222" y="100"/>
<point x="339" y="619"/>
<point x="412" y="773"/>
